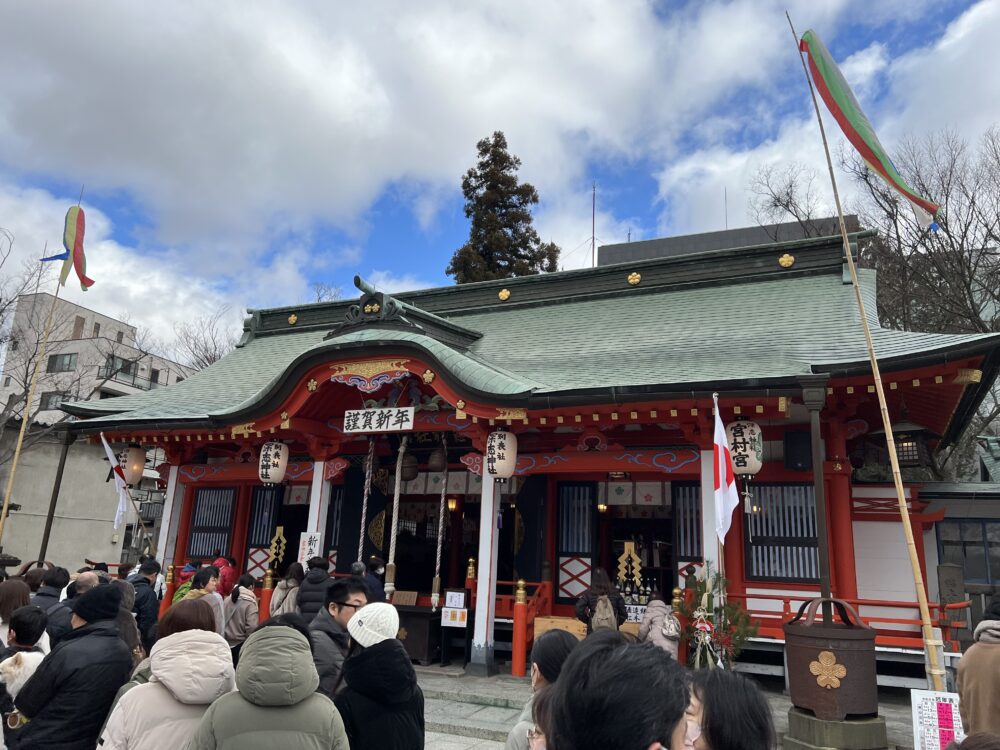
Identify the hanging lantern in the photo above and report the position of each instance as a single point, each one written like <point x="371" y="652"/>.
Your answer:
<point x="410" y="468"/>
<point x="602" y="507"/>
<point x="273" y="462"/>
<point x="452" y="504"/>
<point x="133" y="461"/>
<point x="501" y="454"/>
<point x="436" y="461"/>
<point x="746" y="444"/>
<point x="911" y="441"/>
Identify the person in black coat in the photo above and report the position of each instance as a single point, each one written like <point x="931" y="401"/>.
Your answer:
<point x="380" y="702"/>
<point x="48" y="598"/>
<point x="312" y="590"/>
<point x="328" y="630"/>
<point x="376" y="568"/>
<point x="71" y="692"/>
<point x="600" y="585"/>
<point x="147" y="605"/>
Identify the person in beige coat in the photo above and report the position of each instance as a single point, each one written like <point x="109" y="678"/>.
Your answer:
<point x="979" y="677"/>
<point x="286" y="594"/>
<point x="189" y="670"/>
<point x="242" y="614"/>
<point x="658" y="612"/>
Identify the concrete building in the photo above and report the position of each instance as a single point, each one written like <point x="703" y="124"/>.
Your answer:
<point x="90" y="356"/>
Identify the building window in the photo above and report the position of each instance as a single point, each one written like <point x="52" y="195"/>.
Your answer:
<point x="97" y="330"/>
<point x="51" y="400"/>
<point x="575" y="538"/>
<point x="973" y="544"/>
<point x="119" y="337"/>
<point x="117" y="365"/>
<point x="686" y="498"/>
<point x="780" y="539"/>
<point x="6" y="382"/>
<point x="78" y="325"/>
<point x="61" y="363"/>
<point x="154" y="376"/>
<point x="211" y="522"/>
<point x="13" y="345"/>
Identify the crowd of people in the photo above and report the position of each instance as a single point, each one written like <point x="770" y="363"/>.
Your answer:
<point x="88" y="662"/>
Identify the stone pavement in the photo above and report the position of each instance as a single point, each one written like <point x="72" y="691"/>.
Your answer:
<point x="475" y="713"/>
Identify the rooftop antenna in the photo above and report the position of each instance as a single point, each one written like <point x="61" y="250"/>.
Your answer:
<point x="593" y="225"/>
<point x="629" y="234"/>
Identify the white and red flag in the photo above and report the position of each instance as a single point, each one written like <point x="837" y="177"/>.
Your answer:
<point x="120" y="484"/>
<point x="727" y="499"/>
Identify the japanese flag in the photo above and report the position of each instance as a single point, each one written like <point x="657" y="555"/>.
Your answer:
<point x="123" y="496"/>
<point x="727" y="499"/>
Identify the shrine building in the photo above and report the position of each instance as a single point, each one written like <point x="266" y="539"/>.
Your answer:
<point x="605" y="376"/>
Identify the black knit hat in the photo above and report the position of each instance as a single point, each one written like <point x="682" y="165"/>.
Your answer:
<point x="100" y="603"/>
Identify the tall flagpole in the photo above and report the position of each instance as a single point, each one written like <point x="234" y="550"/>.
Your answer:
<point x="934" y="670"/>
<point x="26" y="413"/>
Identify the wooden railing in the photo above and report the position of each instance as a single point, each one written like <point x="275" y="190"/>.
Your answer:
<point x="769" y="622"/>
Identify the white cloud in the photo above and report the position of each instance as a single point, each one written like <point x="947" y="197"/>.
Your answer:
<point x="391" y="282"/>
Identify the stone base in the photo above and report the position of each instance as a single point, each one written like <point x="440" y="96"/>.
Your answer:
<point x="481" y="663"/>
<point x="806" y="732"/>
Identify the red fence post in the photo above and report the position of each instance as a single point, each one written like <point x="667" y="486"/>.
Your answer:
<point x="519" y="648"/>
<point x="265" y="595"/>
<point x="169" y="590"/>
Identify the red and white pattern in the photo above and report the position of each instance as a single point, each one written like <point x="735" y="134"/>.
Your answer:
<point x="257" y="561"/>
<point x="331" y="559"/>
<point x="574" y="576"/>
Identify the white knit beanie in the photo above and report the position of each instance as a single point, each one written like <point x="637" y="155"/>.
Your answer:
<point x="373" y="624"/>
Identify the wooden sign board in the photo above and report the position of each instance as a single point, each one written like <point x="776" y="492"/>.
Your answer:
<point x="379" y="420"/>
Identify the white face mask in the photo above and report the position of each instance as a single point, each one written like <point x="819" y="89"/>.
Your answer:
<point x="379" y="571"/>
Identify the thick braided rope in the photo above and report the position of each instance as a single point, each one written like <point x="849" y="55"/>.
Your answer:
<point x="395" y="499"/>
<point x="440" y="540"/>
<point x="369" y="463"/>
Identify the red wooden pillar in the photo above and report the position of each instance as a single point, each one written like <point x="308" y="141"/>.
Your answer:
<point x="732" y="553"/>
<point x="241" y="525"/>
<point x="184" y="528"/>
<point x="838" y="475"/>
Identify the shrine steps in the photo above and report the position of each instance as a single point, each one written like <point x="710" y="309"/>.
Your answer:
<point x="482" y="708"/>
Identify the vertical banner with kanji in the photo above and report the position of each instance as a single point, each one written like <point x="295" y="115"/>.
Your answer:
<point x="309" y="546"/>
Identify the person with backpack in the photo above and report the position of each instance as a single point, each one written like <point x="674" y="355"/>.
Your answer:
<point x="601" y="607"/>
<point x="242" y="614"/>
<point x="660" y="626"/>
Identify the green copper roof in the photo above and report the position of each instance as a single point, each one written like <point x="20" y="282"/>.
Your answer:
<point x="730" y="317"/>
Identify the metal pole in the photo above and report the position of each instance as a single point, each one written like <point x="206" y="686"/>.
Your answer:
<point x="68" y="438"/>
<point x="814" y="398"/>
<point x="934" y="670"/>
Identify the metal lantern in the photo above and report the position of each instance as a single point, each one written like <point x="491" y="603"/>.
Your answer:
<point x="746" y="445"/>
<point x="911" y="442"/>
<point x="452" y="504"/>
<point x="501" y="454"/>
<point x="133" y="461"/>
<point x="273" y="462"/>
<point x="436" y="461"/>
<point x="410" y="468"/>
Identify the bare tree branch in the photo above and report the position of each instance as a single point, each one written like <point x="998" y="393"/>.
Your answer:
<point x="204" y="341"/>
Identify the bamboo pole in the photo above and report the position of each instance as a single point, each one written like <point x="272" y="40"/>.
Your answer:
<point x="934" y="670"/>
<point x="26" y="413"/>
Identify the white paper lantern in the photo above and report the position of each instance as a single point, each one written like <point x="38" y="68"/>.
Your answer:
<point x="746" y="444"/>
<point x="273" y="462"/>
<point x="133" y="461"/>
<point x="501" y="454"/>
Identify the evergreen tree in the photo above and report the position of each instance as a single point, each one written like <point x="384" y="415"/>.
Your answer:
<point x="502" y="241"/>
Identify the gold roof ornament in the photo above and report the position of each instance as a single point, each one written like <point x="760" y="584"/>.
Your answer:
<point x="786" y="261"/>
<point x="293" y="319"/>
<point x="504" y="295"/>
<point x="634" y="278"/>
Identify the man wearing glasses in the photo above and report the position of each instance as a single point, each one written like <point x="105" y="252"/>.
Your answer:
<point x="328" y="630"/>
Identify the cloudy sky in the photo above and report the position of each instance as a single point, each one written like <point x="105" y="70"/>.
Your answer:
<point x="238" y="152"/>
